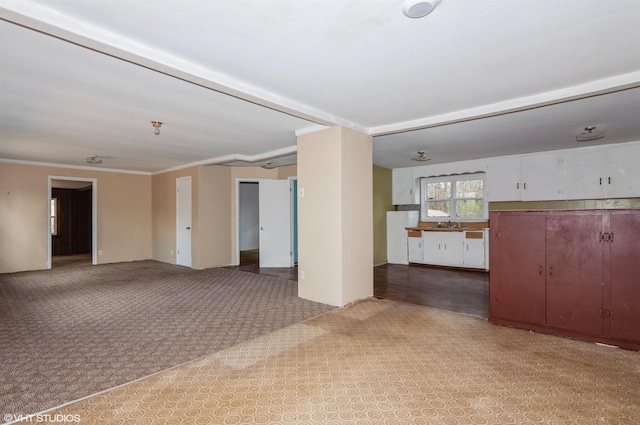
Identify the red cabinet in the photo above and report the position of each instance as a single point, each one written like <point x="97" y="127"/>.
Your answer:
<point x="572" y="273"/>
<point x="624" y="276"/>
<point x="517" y="278"/>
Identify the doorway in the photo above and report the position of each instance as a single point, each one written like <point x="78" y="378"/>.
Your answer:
<point x="248" y="223"/>
<point x="72" y="230"/>
<point x="264" y="223"/>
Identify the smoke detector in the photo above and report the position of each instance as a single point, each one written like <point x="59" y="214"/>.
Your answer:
<point x="421" y="156"/>
<point x="418" y="8"/>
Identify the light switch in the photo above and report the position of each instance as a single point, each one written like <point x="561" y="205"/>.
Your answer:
<point x="301" y="192"/>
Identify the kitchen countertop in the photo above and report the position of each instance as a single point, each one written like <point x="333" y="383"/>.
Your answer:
<point x="466" y="226"/>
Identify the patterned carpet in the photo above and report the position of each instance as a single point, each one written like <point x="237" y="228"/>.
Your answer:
<point x="69" y="333"/>
<point x="385" y="362"/>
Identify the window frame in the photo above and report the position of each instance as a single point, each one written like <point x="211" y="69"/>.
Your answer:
<point x="452" y="179"/>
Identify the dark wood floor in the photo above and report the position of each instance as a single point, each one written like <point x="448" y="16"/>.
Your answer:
<point x="464" y="291"/>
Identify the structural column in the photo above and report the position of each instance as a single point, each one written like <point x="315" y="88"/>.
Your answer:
<point x="335" y="216"/>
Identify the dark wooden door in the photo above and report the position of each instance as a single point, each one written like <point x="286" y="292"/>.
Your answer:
<point x="517" y="265"/>
<point x="574" y="271"/>
<point x="625" y="275"/>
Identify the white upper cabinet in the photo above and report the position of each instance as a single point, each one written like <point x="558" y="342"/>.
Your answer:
<point x="541" y="177"/>
<point x="602" y="172"/>
<point x="524" y="178"/>
<point x="622" y="178"/>
<point x="583" y="174"/>
<point x="502" y="181"/>
<point x="403" y="187"/>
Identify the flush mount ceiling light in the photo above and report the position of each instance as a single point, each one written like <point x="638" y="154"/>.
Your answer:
<point x="421" y="156"/>
<point x="93" y="159"/>
<point x="156" y="127"/>
<point x="418" y="8"/>
<point x="590" y="133"/>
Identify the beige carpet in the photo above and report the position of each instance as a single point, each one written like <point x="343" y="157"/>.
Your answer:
<point x="71" y="332"/>
<point x="385" y="362"/>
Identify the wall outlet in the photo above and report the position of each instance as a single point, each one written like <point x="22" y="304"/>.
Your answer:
<point x="301" y="274"/>
<point x="301" y="192"/>
<point x="100" y="252"/>
<point x="172" y="252"/>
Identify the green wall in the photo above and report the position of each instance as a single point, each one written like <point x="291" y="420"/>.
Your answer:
<point x="382" y="202"/>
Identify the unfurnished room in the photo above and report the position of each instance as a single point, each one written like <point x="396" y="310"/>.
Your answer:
<point x="320" y="212"/>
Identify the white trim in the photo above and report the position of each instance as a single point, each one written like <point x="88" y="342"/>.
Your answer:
<point x="293" y="214"/>
<point x="94" y="215"/>
<point x="74" y="167"/>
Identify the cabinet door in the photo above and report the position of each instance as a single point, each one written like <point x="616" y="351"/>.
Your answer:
<point x="403" y="192"/>
<point x="416" y="251"/>
<point x="474" y="249"/>
<point x="574" y="271"/>
<point x="625" y="275"/>
<point x="452" y="249"/>
<point x="517" y="278"/>
<point x="623" y="172"/>
<point x="502" y="182"/>
<point x="432" y="247"/>
<point x="540" y="177"/>
<point x="583" y="175"/>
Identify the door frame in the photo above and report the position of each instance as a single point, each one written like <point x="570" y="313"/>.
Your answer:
<point x="294" y="220"/>
<point x="94" y="215"/>
<point x="237" y="218"/>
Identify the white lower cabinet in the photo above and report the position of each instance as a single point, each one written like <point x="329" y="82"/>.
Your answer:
<point x="475" y="249"/>
<point x="416" y="250"/>
<point x="443" y="248"/>
<point x="455" y="249"/>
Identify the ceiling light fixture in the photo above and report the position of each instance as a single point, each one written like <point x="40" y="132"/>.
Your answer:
<point x="590" y="133"/>
<point x="418" y="8"/>
<point x="93" y="159"/>
<point x="156" y="125"/>
<point x="421" y="156"/>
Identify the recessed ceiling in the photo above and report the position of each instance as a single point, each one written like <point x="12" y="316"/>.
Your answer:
<point x="233" y="81"/>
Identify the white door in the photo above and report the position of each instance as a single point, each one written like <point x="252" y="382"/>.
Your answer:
<point x="183" y="221"/>
<point x="275" y="223"/>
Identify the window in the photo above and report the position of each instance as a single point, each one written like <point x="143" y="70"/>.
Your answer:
<point x="456" y="197"/>
<point x="54" y="216"/>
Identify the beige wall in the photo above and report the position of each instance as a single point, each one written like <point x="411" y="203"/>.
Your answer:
<point x="136" y="214"/>
<point x="214" y="219"/>
<point x="124" y="211"/>
<point x="382" y="202"/>
<point x="335" y="216"/>
<point x="213" y="241"/>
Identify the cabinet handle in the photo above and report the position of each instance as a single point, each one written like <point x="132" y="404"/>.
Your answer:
<point x="540" y="269"/>
<point x="518" y="185"/>
<point x="524" y="186"/>
<point x="609" y="180"/>
<point x="600" y="181"/>
<point x="550" y="271"/>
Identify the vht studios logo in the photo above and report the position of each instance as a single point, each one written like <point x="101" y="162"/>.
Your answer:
<point x="43" y="418"/>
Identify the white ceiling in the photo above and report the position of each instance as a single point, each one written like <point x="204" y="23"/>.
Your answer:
<point x="233" y="81"/>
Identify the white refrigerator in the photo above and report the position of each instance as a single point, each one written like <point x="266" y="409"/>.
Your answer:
<point x="397" y="222"/>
